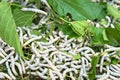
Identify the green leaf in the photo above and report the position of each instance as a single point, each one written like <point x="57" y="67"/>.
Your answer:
<point x="114" y="61"/>
<point x="113" y="11"/>
<point x="113" y="36"/>
<point x="78" y="9"/>
<point x="8" y="28"/>
<point x="94" y="62"/>
<point x="97" y="36"/>
<point x="23" y="17"/>
<point x="105" y="38"/>
<point x="117" y="26"/>
<point x="79" y="27"/>
<point x="66" y="29"/>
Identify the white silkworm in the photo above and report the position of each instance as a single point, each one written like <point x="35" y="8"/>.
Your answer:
<point x="101" y="62"/>
<point x="45" y="71"/>
<point x="114" y="70"/>
<point x="57" y="52"/>
<point x="61" y="34"/>
<point x="32" y="58"/>
<point x="46" y="3"/>
<point x="34" y="50"/>
<point x="114" y="74"/>
<point x="20" y="35"/>
<point x="69" y="70"/>
<point x="3" y="52"/>
<point x="71" y="75"/>
<point x="109" y="21"/>
<point x="19" y="67"/>
<point x="9" y="71"/>
<point x="16" y="57"/>
<point x="51" y="75"/>
<point x="41" y="75"/>
<point x="112" y="49"/>
<point x="49" y="43"/>
<point x="75" y="66"/>
<point x="34" y="10"/>
<point x="23" y="66"/>
<point x="31" y="40"/>
<point x="112" y="26"/>
<point x="83" y="66"/>
<point x="107" y="75"/>
<point x="65" y="49"/>
<point x="100" y="76"/>
<point x="50" y="63"/>
<point x="8" y="48"/>
<point x="59" y="74"/>
<point x="113" y="78"/>
<point x="86" y="48"/>
<point x="12" y="65"/>
<point x="5" y="75"/>
<point x="1" y="55"/>
<point x="68" y="41"/>
<point x="6" y="58"/>
<point x="117" y="68"/>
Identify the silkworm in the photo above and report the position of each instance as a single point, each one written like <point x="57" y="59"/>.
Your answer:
<point x="49" y="62"/>
<point x="49" y="43"/>
<point x="9" y="71"/>
<point x="117" y="68"/>
<point x="3" y="52"/>
<point x="112" y="49"/>
<point x="71" y="76"/>
<point x="75" y="65"/>
<point x="1" y="55"/>
<point x="31" y="40"/>
<point x="113" y="78"/>
<point x="5" y="75"/>
<point x="13" y="66"/>
<point x="44" y="1"/>
<point x="19" y="68"/>
<point x="51" y="74"/>
<point x="59" y="74"/>
<point x="22" y="65"/>
<point x="86" y="48"/>
<point x="20" y="35"/>
<point x="69" y="70"/>
<point x="6" y="58"/>
<point x="109" y="21"/>
<point x="101" y="62"/>
<point x="34" y="10"/>
<point x="107" y="75"/>
<point x="41" y="75"/>
<point x="34" y="50"/>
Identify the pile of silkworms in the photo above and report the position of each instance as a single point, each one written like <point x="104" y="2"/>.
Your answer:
<point x="53" y="59"/>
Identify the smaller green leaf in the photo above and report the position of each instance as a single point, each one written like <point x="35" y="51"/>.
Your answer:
<point x="113" y="36"/>
<point x="113" y="11"/>
<point x="114" y="61"/>
<point x="118" y="53"/>
<point x="97" y="36"/>
<point x="66" y="29"/>
<point x="104" y="35"/>
<point x="22" y="17"/>
<point x="94" y="62"/>
<point x="117" y="26"/>
<point x="79" y="27"/>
